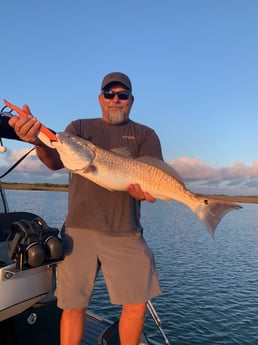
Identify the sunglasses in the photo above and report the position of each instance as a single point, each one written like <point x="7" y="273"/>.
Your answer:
<point x="122" y="95"/>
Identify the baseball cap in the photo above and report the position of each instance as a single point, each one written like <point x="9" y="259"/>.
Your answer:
<point x="116" y="77"/>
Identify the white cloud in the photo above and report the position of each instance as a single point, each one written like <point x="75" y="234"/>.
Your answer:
<point x="194" y="169"/>
<point x="31" y="169"/>
<point x="200" y="177"/>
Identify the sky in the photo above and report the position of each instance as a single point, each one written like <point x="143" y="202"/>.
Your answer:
<point x="193" y="65"/>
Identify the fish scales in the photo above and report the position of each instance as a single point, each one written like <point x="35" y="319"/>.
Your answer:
<point x="106" y="163"/>
<point x="139" y="171"/>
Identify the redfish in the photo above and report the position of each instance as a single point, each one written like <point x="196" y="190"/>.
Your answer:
<point x="115" y="170"/>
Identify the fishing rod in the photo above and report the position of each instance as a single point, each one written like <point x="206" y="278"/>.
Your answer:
<point x="157" y="321"/>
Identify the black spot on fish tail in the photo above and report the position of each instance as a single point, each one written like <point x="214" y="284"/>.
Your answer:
<point x="92" y="168"/>
<point x="206" y="201"/>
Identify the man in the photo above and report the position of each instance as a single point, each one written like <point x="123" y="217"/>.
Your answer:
<point x="102" y="228"/>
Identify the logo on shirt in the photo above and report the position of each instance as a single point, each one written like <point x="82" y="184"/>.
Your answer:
<point x="129" y="137"/>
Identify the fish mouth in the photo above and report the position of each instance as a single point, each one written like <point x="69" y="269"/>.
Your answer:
<point x="64" y="138"/>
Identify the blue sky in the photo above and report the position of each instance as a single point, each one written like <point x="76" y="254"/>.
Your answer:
<point x="193" y="65"/>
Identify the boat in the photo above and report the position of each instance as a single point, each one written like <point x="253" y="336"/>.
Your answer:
<point x="29" y="252"/>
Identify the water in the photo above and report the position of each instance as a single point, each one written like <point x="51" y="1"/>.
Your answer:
<point x="210" y="287"/>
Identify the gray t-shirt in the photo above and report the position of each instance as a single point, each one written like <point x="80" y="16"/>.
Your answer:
<point x="93" y="207"/>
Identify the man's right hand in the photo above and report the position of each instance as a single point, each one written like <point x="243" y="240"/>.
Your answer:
<point x="26" y="127"/>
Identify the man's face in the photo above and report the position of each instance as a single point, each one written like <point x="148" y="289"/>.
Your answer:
<point x="116" y="109"/>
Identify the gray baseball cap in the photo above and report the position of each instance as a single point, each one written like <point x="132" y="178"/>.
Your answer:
<point x="116" y="77"/>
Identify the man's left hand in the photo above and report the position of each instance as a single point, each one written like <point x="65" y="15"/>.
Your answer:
<point x="136" y="192"/>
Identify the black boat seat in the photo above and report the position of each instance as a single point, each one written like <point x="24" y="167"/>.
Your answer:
<point x="110" y="335"/>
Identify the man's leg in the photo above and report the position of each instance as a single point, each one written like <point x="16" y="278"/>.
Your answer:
<point x="72" y="326"/>
<point x="131" y="323"/>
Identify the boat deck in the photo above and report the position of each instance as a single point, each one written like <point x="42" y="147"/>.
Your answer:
<point x="95" y="326"/>
<point x="101" y="331"/>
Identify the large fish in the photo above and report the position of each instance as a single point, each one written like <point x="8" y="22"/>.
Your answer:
<point x="115" y="170"/>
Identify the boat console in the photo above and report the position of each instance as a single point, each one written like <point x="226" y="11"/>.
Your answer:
<point x="29" y="250"/>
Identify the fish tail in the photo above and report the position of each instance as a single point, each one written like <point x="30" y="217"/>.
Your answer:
<point x="211" y="211"/>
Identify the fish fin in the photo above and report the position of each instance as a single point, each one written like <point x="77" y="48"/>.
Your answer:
<point x="167" y="200"/>
<point x="167" y="168"/>
<point x="123" y="151"/>
<point x="212" y="211"/>
<point x="93" y="169"/>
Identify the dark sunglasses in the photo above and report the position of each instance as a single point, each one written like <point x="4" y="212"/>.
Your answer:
<point x="122" y="95"/>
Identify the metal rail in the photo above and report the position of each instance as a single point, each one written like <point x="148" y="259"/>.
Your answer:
<point x="157" y="321"/>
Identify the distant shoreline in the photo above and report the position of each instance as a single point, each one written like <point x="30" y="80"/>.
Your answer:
<point x="251" y="199"/>
<point x="35" y="186"/>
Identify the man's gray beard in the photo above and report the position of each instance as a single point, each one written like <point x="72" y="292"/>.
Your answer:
<point x="116" y="116"/>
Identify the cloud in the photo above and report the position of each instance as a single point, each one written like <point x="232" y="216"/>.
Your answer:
<point x="200" y="177"/>
<point x="193" y="169"/>
<point x="30" y="169"/>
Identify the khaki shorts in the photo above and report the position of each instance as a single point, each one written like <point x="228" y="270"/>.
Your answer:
<point x="127" y="264"/>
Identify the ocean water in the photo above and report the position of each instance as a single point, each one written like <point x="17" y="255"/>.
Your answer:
<point x="210" y="287"/>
